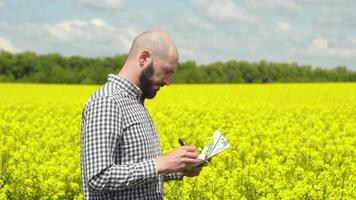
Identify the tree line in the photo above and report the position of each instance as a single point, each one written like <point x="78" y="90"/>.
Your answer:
<point x="55" y="68"/>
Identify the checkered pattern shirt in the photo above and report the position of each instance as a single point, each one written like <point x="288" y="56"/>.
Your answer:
<point x="119" y="144"/>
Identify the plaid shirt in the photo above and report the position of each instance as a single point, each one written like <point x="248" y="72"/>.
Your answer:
<point x="119" y="144"/>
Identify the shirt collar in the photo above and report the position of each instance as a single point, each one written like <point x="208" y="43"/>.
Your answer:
<point x="126" y="85"/>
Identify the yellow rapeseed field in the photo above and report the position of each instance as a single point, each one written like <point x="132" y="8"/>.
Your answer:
<point x="288" y="141"/>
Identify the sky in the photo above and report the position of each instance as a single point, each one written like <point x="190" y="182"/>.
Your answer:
<point x="320" y="33"/>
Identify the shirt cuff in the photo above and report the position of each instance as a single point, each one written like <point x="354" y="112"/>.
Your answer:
<point x="149" y="169"/>
<point x="178" y="176"/>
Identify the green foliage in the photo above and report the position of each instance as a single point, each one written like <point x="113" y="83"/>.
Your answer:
<point x="288" y="141"/>
<point x="54" y="68"/>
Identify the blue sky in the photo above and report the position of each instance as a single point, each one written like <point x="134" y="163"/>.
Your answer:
<point x="320" y="33"/>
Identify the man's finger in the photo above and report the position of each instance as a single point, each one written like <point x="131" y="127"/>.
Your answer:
<point x="189" y="148"/>
<point x="197" y="169"/>
<point x="191" y="155"/>
<point x="191" y="172"/>
<point x="190" y="160"/>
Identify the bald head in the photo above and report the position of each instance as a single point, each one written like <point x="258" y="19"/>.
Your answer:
<point x="152" y="60"/>
<point x="159" y="43"/>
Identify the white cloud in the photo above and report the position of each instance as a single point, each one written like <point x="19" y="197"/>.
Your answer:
<point x="351" y="39"/>
<point x="224" y="10"/>
<point x="94" y="33"/>
<point x="2" y="3"/>
<point x="7" y="45"/>
<point x="193" y="22"/>
<point x="186" y="53"/>
<point x="284" y="26"/>
<point x="208" y="47"/>
<point x="320" y="47"/>
<point x="93" y="37"/>
<point x="320" y="43"/>
<point x="211" y="34"/>
<point x="330" y="20"/>
<point x="286" y="4"/>
<point x="78" y="29"/>
<point x="103" y="4"/>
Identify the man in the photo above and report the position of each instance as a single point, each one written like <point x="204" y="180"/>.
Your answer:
<point x="120" y="150"/>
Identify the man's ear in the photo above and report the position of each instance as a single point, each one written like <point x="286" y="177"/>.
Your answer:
<point x="145" y="57"/>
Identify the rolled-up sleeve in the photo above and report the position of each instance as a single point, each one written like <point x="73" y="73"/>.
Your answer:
<point x="178" y="176"/>
<point x="101" y="130"/>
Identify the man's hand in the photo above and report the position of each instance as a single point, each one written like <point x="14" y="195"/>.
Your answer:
<point x="191" y="172"/>
<point x="178" y="160"/>
<point x="195" y="171"/>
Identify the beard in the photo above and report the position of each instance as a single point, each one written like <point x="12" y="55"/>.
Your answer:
<point x="146" y="83"/>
